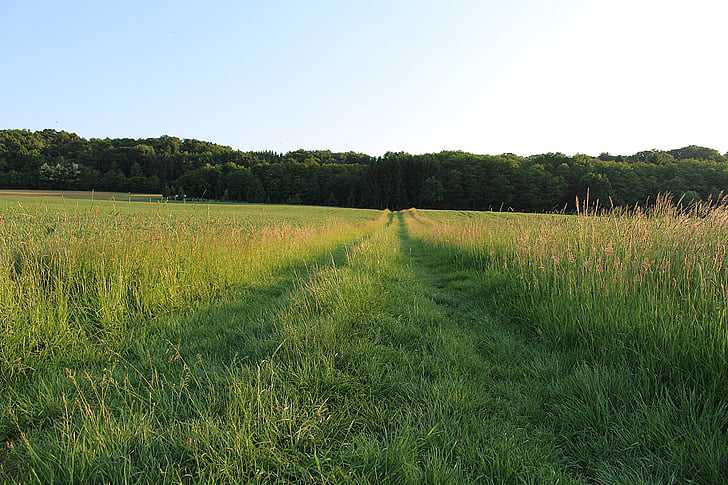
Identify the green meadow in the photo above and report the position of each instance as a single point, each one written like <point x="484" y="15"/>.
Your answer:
<point x="149" y="342"/>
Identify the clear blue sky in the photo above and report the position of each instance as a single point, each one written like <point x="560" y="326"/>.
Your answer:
<point x="372" y="76"/>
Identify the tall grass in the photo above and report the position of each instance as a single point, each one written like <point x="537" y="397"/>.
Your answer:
<point x="80" y="277"/>
<point x="648" y="286"/>
<point x="640" y="299"/>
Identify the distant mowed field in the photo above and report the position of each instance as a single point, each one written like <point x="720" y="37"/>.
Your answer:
<point x="80" y="194"/>
<point x="152" y="342"/>
<point x="140" y="207"/>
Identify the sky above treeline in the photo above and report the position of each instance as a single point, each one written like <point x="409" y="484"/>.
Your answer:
<point x="373" y="76"/>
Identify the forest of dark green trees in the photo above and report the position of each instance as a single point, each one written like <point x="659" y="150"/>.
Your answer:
<point x="192" y="169"/>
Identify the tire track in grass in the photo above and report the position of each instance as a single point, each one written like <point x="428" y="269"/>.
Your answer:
<point x="379" y="367"/>
<point x="607" y="423"/>
<point x="507" y="375"/>
<point x="394" y="385"/>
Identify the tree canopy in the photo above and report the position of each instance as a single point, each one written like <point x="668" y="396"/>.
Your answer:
<point x="175" y="167"/>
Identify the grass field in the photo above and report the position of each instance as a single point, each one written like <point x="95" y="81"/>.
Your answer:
<point x="168" y="343"/>
<point x="80" y="194"/>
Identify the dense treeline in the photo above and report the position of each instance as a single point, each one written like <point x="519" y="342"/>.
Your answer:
<point x="179" y="168"/>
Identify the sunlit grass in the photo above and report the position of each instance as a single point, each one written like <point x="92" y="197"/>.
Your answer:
<point x="241" y="343"/>
<point x="76" y="274"/>
<point x="649" y="286"/>
<point x="641" y="298"/>
<point x="352" y="373"/>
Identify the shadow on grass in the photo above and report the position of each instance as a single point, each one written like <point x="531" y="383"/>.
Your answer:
<point x="183" y="350"/>
<point x="614" y="420"/>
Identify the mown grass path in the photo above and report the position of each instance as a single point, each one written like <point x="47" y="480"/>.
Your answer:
<point x="506" y="374"/>
<point x="412" y="383"/>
